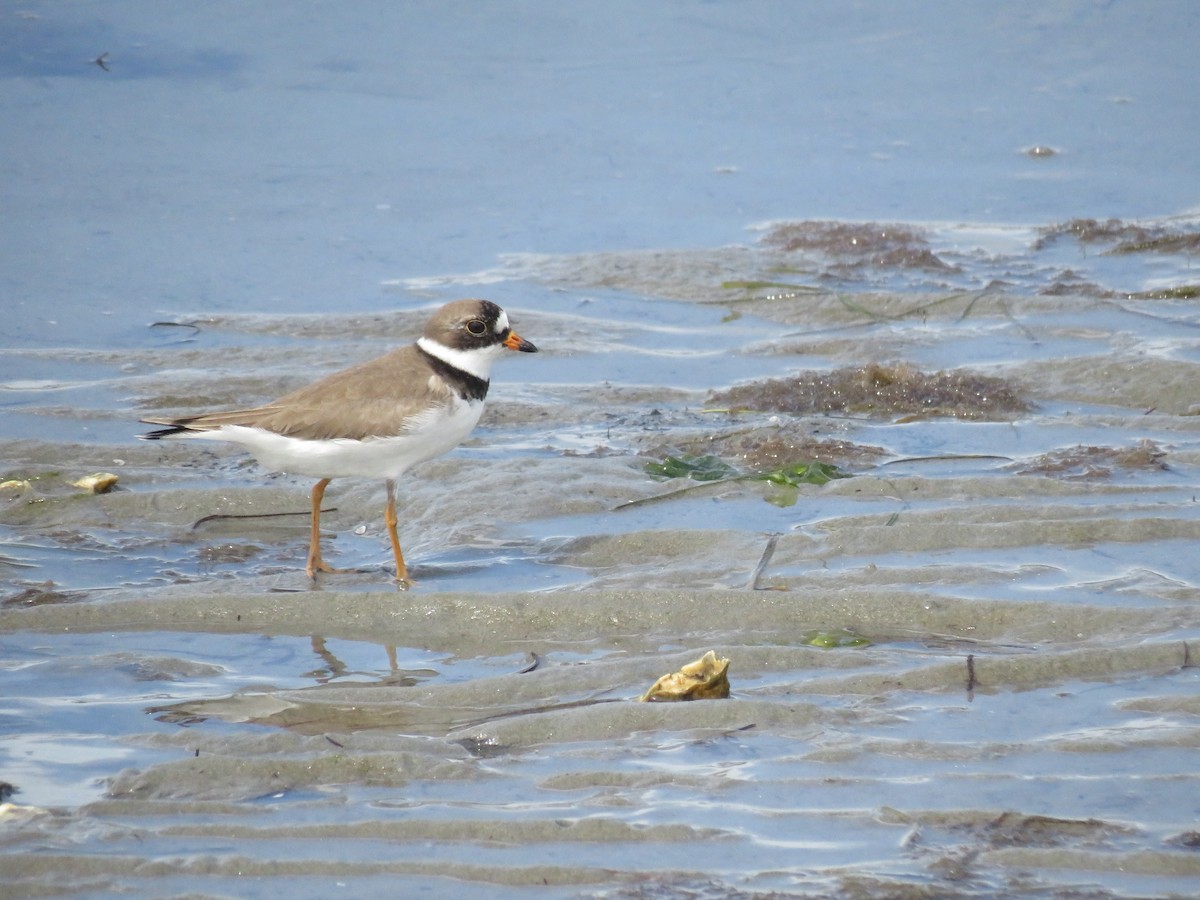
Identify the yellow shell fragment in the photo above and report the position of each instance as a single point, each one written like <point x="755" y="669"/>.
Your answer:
<point x="97" y="482"/>
<point x="16" y="814"/>
<point x="705" y="679"/>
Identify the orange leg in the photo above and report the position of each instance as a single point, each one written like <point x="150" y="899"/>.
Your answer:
<point x="389" y="519"/>
<point x="315" y="563"/>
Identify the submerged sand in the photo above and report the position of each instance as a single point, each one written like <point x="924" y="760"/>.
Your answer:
<point x="1016" y="712"/>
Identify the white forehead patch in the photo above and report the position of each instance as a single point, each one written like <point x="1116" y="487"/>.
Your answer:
<point x="501" y="323"/>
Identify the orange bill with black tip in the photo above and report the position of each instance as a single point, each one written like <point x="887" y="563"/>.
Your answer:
<point x="515" y="342"/>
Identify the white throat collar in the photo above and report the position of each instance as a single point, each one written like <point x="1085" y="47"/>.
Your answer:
<point x="477" y="362"/>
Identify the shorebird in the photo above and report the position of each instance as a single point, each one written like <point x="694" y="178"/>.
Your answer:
<point x="376" y="419"/>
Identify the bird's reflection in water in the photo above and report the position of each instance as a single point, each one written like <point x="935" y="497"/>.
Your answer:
<point x="334" y="668"/>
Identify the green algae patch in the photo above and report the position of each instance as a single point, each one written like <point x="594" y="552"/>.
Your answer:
<point x="829" y="640"/>
<point x="697" y="468"/>
<point x="802" y="473"/>
<point x="767" y="447"/>
<point x="714" y="469"/>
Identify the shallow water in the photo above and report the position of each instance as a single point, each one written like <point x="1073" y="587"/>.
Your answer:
<point x="183" y="712"/>
<point x="1023" y="720"/>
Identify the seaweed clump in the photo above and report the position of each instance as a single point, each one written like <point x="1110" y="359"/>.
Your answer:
<point x="859" y="244"/>
<point x="1087" y="463"/>
<point x="1123" y="237"/>
<point x="879" y="390"/>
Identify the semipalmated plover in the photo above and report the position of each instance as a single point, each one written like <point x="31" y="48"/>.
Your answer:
<point x="376" y="419"/>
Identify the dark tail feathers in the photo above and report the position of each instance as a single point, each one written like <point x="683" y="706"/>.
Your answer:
<point x="163" y="432"/>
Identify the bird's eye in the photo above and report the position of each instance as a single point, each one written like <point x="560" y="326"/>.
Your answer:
<point x="477" y="327"/>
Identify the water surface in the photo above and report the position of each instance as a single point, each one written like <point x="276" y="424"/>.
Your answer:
<point x="670" y="203"/>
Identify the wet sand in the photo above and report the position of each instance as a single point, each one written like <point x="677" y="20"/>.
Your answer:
<point x="1021" y="717"/>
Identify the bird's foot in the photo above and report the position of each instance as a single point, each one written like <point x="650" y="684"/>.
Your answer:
<point x="319" y="565"/>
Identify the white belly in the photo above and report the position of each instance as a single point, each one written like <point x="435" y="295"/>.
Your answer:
<point x="384" y="457"/>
